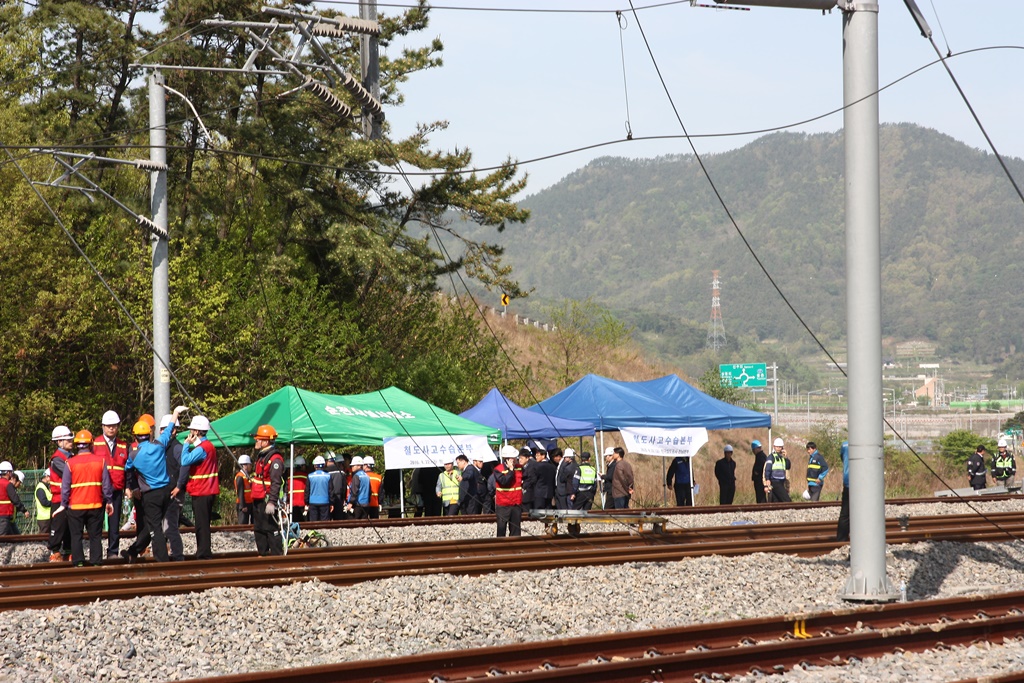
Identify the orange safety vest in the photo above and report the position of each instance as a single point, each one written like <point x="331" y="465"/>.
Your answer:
<point x="55" y="478"/>
<point x="6" y="505"/>
<point x="86" y="472"/>
<point x="246" y="487"/>
<point x="297" y="485"/>
<point x="261" y="475"/>
<point x="375" y="483"/>
<point x="115" y="461"/>
<point x="202" y="477"/>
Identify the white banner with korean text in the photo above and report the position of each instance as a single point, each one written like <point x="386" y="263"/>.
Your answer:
<point x="667" y="443"/>
<point x="406" y="452"/>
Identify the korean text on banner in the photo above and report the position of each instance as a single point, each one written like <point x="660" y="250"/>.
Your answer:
<point x="405" y="452"/>
<point x="668" y="443"/>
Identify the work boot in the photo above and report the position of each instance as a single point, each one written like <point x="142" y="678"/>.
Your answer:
<point x="56" y="557"/>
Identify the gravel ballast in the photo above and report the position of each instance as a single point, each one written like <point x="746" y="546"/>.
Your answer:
<point x="229" y="630"/>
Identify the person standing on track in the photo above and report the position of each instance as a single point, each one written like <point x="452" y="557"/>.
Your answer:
<point x="976" y="469"/>
<point x="566" y="478"/>
<point x="60" y="538"/>
<point x="508" y="493"/>
<point x="622" y="483"/>
<point x="86" y="490"/>
<point x="843" y="525"/>
<point x="199" y="455"/>
<point x="115" y="453"/>
<point x="586" y="486"/>
<point x="679" y="471"/>
<point x="775" y="473"/>
<point x="297" y="484"/>
<point x="1003" y="465"/>
<point x="10" y="501"/>
<point x="757" y="473"/>
<point x="319" y="493"/>
<point x="469" y="486"/>
<point x="243" y="489"/>
<point x="817" y="468"/>
<point x="149" y="463"/>
<point x="42" y="498"/>
<point x="543" y="486"/>
<point x="447" y="489"/>
<point x="607" y="477"/>
<point x="358" y="490"/>
<point x="268" y="475"/>
<point x="376" y="482"/>
<point x="725" y="473"/>
<point x="337" y="488"/>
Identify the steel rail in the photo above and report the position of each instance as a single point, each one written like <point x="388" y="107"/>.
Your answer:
<point x="29" y="586"/>
<point x="386" y="522"/>
<point x="714" y="651"/>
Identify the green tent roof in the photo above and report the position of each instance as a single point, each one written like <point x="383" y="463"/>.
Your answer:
<point x="301" y="416"/>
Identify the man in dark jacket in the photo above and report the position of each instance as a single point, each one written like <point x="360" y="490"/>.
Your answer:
<point x="606" y="478"/>
<point x="469" y="488"/>
<point x="566" y="480"/>
<point x="525" y="465"/>
<point x="757" y="473"/>
<point x="976" y="469"/>
<point x="725" y="473"/>
<point x="543" y="485"/>
<point x="678" y="478"/>
<point x="337" y="486"/>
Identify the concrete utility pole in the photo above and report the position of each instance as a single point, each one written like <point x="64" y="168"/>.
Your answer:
<point x="370" y="67"/>
<point x="868" y="580"/>
<point x="158" y="209"/>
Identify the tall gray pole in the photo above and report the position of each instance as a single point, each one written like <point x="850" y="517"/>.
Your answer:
<point x="370" y="63"/>
<point x="867" y="580"/>
<point x="158" y="208"/>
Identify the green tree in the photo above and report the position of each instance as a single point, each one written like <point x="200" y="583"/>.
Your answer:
<point x="582" y="327"/>
<point x="960" y="444"/>
<point x="711" y="384"/>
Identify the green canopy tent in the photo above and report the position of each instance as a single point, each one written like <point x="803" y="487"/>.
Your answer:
<point x="306" y="417"/>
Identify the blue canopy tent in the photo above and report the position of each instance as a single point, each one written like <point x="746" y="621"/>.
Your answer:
<point x="700" y="410"/>
<point x="515" y="422"/>
<point x="666" y="402"/>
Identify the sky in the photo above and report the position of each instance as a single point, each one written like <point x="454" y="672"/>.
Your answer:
<point x="526" y="85"/>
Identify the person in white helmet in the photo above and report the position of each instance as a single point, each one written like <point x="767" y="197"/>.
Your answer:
<point x="1003" y="465"/>
<point x="358" y="490"/>
<point x="199" y="455"/>
<point x="115" y="452"/>
<point x="318" y="496"/>
<point x="10" y="502"/>
<point x="243" y="489"/>
<point x="60" y="536"/>
<point x="775" y="473"/>
<point x="566" y="477"/>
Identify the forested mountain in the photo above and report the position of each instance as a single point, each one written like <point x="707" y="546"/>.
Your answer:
<point x="642" y="237"/>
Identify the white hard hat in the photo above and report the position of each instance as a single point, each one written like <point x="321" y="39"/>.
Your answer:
<point x="609" y="451"/>
<point x="6" y="466"/>
<point x="356" y="461"/>
<point x="60" y="433"/>
<point x="199" y="423"/>
<point x="110" y="418"/>
<point x="1002" y="443"/>
<point x="368" y="461"/>
<point x="166" y="420"/>
<point x="20" y="475"/>
<point x="779" y="442"/>
<point x="568" y="453"/>
<point x="509" y="452"/>
<point x="46" y="473"/>
<point x="244" y="459"/>
<point x="319" y="460"/>
<point x="331" y="455"/>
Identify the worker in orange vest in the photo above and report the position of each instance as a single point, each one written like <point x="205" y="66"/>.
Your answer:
<point x="243" y="489"/>
<point x="86" y="491"/>
<point x="376" y="480"/>
<point x="199" y="455"/>
<point x="297" y="485"/>
<point x="114" y="452"/>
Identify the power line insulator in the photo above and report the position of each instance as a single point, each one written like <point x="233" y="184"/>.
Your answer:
<point x="361" y="94"/>
<point x="323" y="93"/>
<point x="147" y="165"/>
<point x="345" y="25"/>
<point x="151" y="226"/>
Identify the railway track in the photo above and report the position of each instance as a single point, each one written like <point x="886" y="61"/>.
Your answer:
<point x="35" y="587"/>
<point x="388" y="522"/>
<point x="707" y="651"/>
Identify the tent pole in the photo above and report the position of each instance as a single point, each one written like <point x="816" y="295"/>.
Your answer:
<point x="401" y="493"/>
<point x="664" y="489"/>
<point x="291" y="481"/>
<point x="689" y="463"/>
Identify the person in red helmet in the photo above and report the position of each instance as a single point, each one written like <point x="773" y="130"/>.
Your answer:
<point x="87" y="492"/>
<point x="268" y="475"/>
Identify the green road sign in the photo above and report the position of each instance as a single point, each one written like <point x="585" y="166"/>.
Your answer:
<point x="744" y="375"/>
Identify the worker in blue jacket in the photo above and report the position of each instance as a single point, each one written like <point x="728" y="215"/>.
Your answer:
<point x="318" y="497"/>
<point x="150" y="465"/>
<point x="817" y="468"/>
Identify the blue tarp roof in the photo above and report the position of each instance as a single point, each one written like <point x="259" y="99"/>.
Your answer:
<point x="516" y="422"/>
<point x="666" y="402"/>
